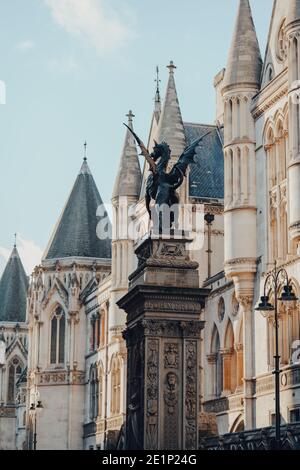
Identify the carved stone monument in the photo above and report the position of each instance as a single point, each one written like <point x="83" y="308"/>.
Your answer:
<point x="163" y="308"/>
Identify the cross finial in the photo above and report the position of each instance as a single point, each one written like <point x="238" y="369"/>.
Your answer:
<point x="130" y="117"/>
<point x="171" y="66"/>
<point x="157" y="80"/>
<point x="15" y="243"/>
<point x="85" y="147"/>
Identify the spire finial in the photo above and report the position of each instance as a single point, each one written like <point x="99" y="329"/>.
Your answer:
<point x="130" y="117"/>
<point x="15" y="240"/>
<point x="85" y="147"/>
<point x="171" y="66"/>
<point x="157" y="80"/>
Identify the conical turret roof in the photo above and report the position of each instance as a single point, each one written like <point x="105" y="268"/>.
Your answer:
<point x="244" y="61"/>
<point x="171" y="129"/>
<point x="75" y="234"/>
<point x="129" y="176"/>
<point x="13" y="290"/>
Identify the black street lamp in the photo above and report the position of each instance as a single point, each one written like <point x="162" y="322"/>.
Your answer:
<point x="34" y="408"/>
<point x="274" y="280"/>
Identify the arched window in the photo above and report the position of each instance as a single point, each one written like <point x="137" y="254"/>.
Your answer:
<point x="94" y="393"/>
<point x="229" y="361"/>
<point x="100" y="406"/>
<point x="115" y="386"/>
<point x="276" y="150"/>
<point x="289" y="328"/>
<point x="58" y="326"/>
<point x="215" y="360"/>
<point x="14" y="371"/>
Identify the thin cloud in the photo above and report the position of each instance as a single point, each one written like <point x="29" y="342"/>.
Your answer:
<point x="30" y="254"/>
<point x="26" y="45"/>
<point x="91" y="20"/>
<point x="64" y="64"/>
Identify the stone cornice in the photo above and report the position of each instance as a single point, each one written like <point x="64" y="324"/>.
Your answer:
<point x="270" y="95"/>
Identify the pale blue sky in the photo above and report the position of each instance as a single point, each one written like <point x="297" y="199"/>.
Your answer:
<point x="73" y="69"/>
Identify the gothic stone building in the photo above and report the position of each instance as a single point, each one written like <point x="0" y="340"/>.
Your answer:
<point x="69" y="350"/>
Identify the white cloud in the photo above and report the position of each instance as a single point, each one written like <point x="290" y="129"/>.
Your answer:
<point x="102" y="27"/>
<point x="25" y="45"/>
<point x="30" y="254"/>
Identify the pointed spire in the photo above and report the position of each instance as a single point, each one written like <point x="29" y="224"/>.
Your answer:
<point x="157" y="100"/>
<point x="170" y="127"/>
<point x="129" y="177"/>
<point x="84" y="170"/>
<point x="293" y="11"/>
<point x="244" y="61"/>
<point x="13" y="290"/>
<point x="75" y="234"/>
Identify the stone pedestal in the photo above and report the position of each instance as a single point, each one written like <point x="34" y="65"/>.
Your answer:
<point x="163" y="308"/>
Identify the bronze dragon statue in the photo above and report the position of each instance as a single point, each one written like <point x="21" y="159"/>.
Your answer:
<point x="161" y="186"/>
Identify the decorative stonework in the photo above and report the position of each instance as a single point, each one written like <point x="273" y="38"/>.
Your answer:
<point x="191" y="412"/>
<point x="281" y="46"/>
<point x="221" y="309"/>
<point x="60" y="377"/>
<point x="171" y="402"/>
<point x="164" y="321"/>
<point x="152" y="395"/>
<point x="171" y="356"/>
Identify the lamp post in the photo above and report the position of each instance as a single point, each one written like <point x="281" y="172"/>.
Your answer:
<point x="274" y="280"/>
<point x="34" y="408"/>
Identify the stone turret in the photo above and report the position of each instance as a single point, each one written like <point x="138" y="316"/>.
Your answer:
<point x="241" y="83"/>
<point x="171" y="128"/>
<point x="293" y="36"/>
<point x="126" y="193"/>
<point x="77" y="258"/>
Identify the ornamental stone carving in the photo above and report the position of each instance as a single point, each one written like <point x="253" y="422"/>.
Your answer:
<point x="191" y="411"/>
<point x="171" y="356"/>
<point x="171" y="411"/>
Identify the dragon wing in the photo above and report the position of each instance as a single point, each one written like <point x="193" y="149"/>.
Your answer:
<point x="179" y="169"/>
<point x="144" y="150"/>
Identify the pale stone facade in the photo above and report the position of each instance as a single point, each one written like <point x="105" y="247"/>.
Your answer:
<point x="77" y="357"/>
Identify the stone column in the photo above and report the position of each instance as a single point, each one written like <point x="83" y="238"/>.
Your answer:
<point x="239" y="366"/>
<point x="246" y="303"/>
<point x="163" y="309"/>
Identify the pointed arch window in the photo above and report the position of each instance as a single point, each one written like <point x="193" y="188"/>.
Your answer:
<point x="115" y="387"/>
<point x="14" y="372"/>
<point x="215" y="360"/>
<point x="94" y="393"/>
<point x="58" y="327"/>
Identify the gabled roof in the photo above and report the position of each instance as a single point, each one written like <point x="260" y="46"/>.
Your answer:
<point x="206" y="178"/>
<point x="13" y="290"/>
<point x="75" y="234"/>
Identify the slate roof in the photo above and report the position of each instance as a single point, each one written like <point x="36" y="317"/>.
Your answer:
<point x="207" y="174"/>
<point x="13" y="290"/>
<point x="75" y="233"/>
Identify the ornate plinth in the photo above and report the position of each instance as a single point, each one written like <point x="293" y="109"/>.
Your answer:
<point x="163" y="309"/>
